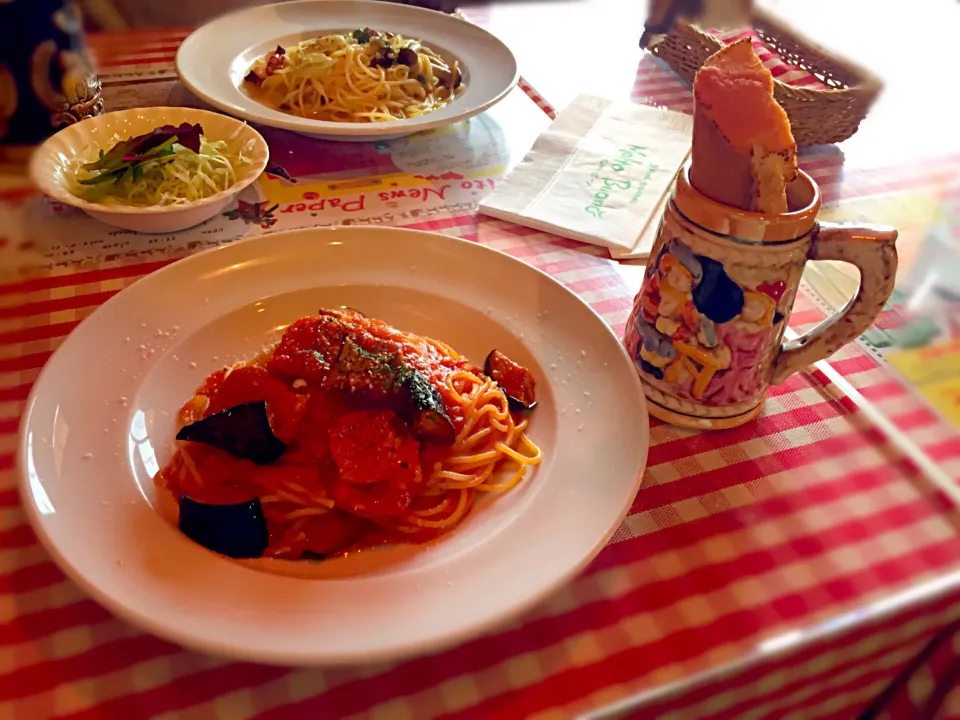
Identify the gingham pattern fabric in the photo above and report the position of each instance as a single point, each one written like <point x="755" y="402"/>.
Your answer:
<point x="736" y="539"/>
<point x="789" y="568"/>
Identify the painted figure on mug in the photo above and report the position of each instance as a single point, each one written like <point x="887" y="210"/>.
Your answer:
<point x="702" y="332"/>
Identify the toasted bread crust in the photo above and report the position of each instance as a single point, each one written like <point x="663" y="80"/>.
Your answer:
<point x="744" y="154"/>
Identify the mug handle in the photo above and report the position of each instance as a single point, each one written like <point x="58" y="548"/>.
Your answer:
<point x="872" y="249"/>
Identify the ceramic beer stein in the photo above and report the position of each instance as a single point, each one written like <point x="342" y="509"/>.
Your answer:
<point x="706" y="330"/>
<point x="46" y="79"/>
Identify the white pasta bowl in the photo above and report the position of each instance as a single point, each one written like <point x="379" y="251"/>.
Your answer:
<point x="89" y="451"/>
<point x="56" y="161"/>
<point x="213" y="61"/>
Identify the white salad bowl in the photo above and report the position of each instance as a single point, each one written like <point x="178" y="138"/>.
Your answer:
<point x="54" y="164"/>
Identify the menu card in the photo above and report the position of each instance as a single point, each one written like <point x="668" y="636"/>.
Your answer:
<point x="917" y="335"/>
<point x="602" y="173"/>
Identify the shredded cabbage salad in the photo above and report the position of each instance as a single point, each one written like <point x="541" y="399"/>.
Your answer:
<point x="170" y="166"/>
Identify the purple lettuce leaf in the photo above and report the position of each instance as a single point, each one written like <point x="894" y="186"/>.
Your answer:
<point x="136" y="148"/>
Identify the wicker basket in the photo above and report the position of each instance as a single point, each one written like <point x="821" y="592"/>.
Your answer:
<point x="818" y="117"/>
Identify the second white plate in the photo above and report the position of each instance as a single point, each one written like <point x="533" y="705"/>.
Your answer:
<point x="92" y="442"/>
<point x="213" y="61"/>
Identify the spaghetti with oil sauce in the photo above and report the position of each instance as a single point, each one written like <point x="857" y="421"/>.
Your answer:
<point x="359" y="77"/>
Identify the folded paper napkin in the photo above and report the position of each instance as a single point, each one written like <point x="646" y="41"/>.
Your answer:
<point x="602" y="173"/>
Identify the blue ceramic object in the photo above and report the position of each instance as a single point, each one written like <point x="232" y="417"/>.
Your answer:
<point x="46" y="79"/>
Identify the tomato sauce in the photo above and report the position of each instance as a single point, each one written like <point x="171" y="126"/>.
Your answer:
<point x="310" y="346"/>
<point x="340" y="446"/>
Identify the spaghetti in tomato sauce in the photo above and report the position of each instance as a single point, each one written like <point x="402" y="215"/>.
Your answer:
<point x="348" y="430"/>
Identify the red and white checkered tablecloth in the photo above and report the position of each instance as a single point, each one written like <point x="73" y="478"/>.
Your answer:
<point x="787" y="569"/>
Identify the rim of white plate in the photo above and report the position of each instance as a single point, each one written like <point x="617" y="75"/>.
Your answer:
<point x="489" y="66"/>
<point x="208" y="632"/>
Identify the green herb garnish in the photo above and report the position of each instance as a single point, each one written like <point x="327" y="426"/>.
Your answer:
<point x="362" y="35"/>
<point x="132" y="155"/>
